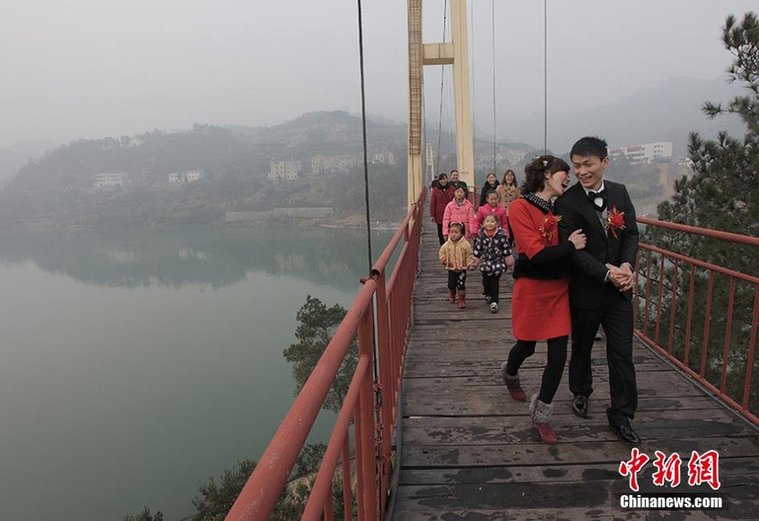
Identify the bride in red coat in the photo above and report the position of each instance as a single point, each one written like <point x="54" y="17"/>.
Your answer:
<point x="540" y="301"/>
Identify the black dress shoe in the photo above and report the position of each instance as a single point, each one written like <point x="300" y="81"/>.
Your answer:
<point x="627" y="433"/>
<point x="580" y="406"/>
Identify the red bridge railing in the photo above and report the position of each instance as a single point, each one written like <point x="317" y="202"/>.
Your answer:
<point x="700" y="316"/>
<point x="361" y="438"/>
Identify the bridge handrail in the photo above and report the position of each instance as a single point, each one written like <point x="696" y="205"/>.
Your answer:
<point x="704" y="232"/>
<point x="372" y="426"/>
<point x="379" y="266"/>
<point x="672" y="275"/>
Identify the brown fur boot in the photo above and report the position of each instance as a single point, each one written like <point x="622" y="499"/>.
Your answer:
<point x="512" y="384"/>
<point x="541" y="420"/>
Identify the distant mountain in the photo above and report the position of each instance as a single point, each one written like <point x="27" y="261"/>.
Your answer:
<point x="667" y="112"/>
<point x="12" y="158"/>
<point x="225" y="152"/>
<point x="151" y="187"/>
<point x="327" y="132"/>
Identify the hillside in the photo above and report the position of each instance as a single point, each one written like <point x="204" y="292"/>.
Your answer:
<point x="231" y="169"/>
<point x="229" y="152"/>
<point x="13" y="157"/>
<point x="149" y="182"/>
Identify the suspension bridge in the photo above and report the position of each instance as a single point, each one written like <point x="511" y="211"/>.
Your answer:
<point x="427" y="430"/>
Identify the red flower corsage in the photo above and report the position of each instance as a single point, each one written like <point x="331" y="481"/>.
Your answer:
<point x="615" y="220"/>
<point x="549" y="225"/>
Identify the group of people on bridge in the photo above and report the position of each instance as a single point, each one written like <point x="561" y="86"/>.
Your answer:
<point x="572" y="252"/>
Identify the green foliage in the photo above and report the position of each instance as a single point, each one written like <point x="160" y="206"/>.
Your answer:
<point x="722" y="192"/>
<point x="742" y="40"/>
<point x="387" y="192"/>
<point x="642" y="180"/>
<point x="721" y="195"/>
<point x="292" y="503"/>
<point x="216" y="498"/>
<point x="310" y="458"/>
<point x="145" y="515"/>
<point x="317" y="326"/>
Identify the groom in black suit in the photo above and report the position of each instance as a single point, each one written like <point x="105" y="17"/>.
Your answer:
<point x="600" y="282"/>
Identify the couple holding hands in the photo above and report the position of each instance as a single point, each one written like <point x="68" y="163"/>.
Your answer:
<point x="574" y="274"/>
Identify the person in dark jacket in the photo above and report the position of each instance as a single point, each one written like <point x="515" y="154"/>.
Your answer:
<point x="491" y="184"/>
<point x="455" y="182"/>
<point x="441" y="195"/>
<point x="600" y="282"/>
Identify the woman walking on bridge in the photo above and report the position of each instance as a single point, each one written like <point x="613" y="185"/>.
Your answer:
<point x="491" y="185"/>
<point x="508" y="189"/>
<point x="441" y="195"/>
<point x="540" y="301"/>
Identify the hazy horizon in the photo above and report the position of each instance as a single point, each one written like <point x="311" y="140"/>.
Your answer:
<point x="91" y="69"/>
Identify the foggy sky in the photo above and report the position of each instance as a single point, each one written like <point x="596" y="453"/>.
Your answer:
<point x="95" y="68"/>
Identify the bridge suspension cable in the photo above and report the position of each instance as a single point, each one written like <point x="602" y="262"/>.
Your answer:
<point x="493" y="34"/>
<point x="442" y="81"/>
<point x="472" y="75"/>
<point x="363" y="130"/>
<point x="495" y="111"/>
<point x="545" y="76"/>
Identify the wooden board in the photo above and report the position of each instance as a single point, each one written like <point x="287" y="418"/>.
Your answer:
<point x="469" y="451"/>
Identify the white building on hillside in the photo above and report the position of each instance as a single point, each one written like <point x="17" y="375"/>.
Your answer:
<point x="383" y="157"/>
<point x="343" y="163"/>
<point x="186" y="177"/>
<point x="193" y="175"/>
<point x="281" y="170"/>
<point x="109" y="180"/>
<point x="646" y="153"/>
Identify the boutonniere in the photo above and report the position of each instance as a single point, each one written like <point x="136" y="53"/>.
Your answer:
<point x="615" y="220"/>
<point x="548" y="226"/>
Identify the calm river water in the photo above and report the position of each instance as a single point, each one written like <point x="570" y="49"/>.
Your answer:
<point x="134" y="365"/>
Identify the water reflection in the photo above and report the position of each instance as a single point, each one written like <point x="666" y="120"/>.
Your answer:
<point x="217" y="257"/>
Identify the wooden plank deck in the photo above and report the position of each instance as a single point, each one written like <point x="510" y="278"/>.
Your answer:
<point x="469" y="451"/>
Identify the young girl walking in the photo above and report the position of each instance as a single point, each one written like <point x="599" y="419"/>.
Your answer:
<point x="460" y="210"/>
<point x="492" y="248"/>
<point x="493" y="206"/>
<point x="540" y="300"/>
<point x="456" y="256"/>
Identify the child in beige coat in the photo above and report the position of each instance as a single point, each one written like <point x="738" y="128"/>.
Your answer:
<point x="456" y="256"/>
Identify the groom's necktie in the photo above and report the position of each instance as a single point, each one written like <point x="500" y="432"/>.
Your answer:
<point x="598" y="199"/>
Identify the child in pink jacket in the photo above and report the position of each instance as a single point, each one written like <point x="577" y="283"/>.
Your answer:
<point x="460" y="210"/>
<point x="493" y="206"/>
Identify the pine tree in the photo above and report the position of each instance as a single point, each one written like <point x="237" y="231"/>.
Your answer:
<point x="145" y="515"/>
<point x="318" y="324"/>
<point x="721" y="195"/>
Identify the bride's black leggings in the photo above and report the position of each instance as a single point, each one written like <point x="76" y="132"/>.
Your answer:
<point x="557" y="357"/>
